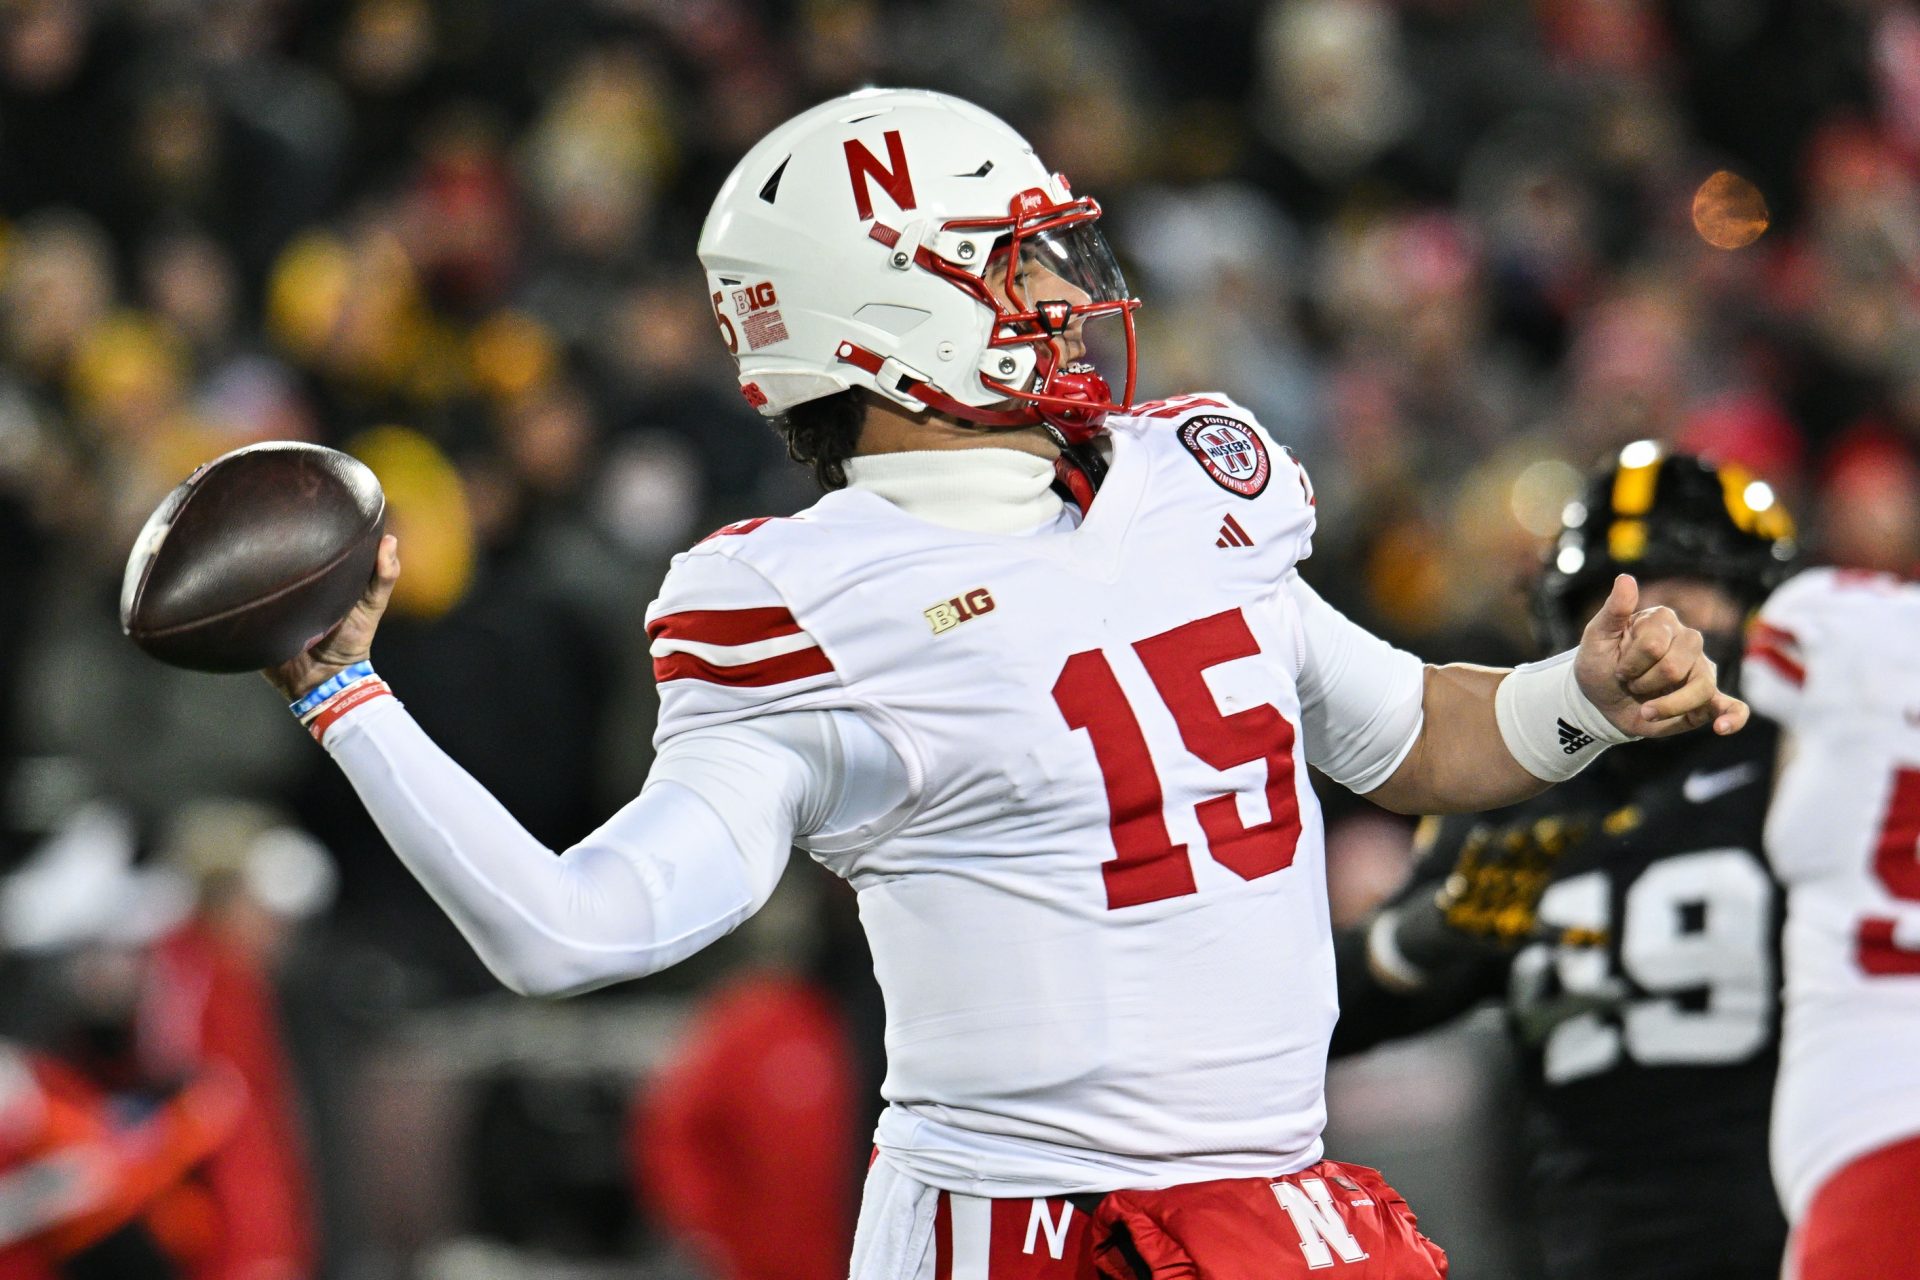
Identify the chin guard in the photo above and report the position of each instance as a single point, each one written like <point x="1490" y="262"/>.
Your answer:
<point x="1076" y="404"/>
<point x="1077" y="473"/>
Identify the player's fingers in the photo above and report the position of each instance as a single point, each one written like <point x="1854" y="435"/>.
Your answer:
<point x="1672" y="669"/>
<point x="1694" y="719"/>
<point x="1696" y="694"/>
<point x="1616" y="612"/>
<point x="386" y="572"/>
<point x="1649" y="637"/>
<point x="1666" y="726"/>
<point x="1730" y="714"/>
<point x="350" y="638"/>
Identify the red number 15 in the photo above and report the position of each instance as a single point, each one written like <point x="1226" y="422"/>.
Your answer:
<point x="1148" y="866"/>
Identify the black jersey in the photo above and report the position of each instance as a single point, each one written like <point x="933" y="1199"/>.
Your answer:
<point x="1648" y="1044"/>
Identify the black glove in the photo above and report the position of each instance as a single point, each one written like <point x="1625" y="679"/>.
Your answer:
<point x="1486" y="907"/>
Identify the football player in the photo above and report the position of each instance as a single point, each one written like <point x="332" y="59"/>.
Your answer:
<point x="1626" y="919"/>
<point x="1038" y="677"/>
<point x="1835" y="658"/>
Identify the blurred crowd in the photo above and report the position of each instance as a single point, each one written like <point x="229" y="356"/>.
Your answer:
<point x="1443" y="248"/>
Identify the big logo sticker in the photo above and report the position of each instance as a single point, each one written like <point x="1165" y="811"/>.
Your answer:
<point x="1231" y="452"/>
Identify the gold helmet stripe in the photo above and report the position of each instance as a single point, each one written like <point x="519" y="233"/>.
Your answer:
<point x="1635" y="479"/>
<point x="1627" y="540"/>
<point x="1769" y="520"/>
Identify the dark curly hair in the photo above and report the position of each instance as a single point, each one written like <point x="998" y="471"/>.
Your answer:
<point x="823" y="434"/>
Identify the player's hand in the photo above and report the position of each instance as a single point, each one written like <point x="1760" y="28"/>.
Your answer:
<point x="1647" y="673"/>
<point x="352" y="640"/>
<point x="1493" y="893"/>
<point x="1487" y="907"/>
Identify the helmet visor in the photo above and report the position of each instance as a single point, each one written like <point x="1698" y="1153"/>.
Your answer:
<point x="1070" y="264"/>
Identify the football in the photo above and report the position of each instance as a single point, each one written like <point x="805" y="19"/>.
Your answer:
<point x="253" y="558"/>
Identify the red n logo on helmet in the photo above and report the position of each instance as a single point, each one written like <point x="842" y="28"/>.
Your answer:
<point x="894" y="180"/>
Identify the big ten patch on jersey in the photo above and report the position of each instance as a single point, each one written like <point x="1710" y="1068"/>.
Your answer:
<point x="1659" y="932"/>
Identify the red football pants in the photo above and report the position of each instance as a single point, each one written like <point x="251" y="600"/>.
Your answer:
<point x="1337" y="1221"/>
<point x="1864" y="1222"/>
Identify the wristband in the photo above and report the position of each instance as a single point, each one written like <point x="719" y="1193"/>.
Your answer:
<point x="1547" y="723"/>
<point x="303" y="706"/>
<point x="326" y="702"/>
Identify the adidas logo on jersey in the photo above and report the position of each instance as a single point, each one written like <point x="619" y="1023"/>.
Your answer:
<point x="949" y="614"/>
<point x="1232" y="535"/>
<point x="1572" y="739"/>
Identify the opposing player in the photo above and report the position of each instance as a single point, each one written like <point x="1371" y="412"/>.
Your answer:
<point x="1037" y="676"/>
<point x="1835" y="659"/>
<point x="1626" y="919"/>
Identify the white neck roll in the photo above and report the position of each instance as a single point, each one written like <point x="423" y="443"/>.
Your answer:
<point x="979" y="490"/>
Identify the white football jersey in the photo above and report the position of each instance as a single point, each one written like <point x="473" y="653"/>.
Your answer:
<point x="1100" y="917"/>
<point x="1835" y="658"/>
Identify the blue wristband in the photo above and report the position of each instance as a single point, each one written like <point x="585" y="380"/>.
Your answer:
<point x="327" y="688"/>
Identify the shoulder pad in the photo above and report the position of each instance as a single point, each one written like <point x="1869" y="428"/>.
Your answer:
<point x="1175" y="408"/>
<point x="726" y="644"/>
<point x="1228" y="442"/>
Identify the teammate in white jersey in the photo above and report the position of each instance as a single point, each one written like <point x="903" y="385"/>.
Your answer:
<point x="1835" y="658"/>
<point x="1057" y="741"/>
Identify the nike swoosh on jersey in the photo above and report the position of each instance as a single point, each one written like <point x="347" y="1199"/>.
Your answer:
<point x="1702" y="787"/>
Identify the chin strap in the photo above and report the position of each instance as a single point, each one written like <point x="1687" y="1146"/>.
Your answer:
<point x="1069" y="406"/>
<point x="912" y="384"/>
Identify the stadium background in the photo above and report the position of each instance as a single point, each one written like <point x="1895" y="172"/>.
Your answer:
<point x="1441" y="247"/>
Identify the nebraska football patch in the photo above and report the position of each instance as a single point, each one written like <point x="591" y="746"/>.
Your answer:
<point x="1231" y="452"/>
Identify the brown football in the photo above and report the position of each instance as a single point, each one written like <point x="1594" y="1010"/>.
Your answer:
<point x="253" y="557"/>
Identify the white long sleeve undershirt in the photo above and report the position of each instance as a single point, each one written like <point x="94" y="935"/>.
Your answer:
<point x="704" y="844"/>
<point x="676" y="868"/>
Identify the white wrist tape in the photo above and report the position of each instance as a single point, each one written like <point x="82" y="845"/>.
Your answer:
<point x="1547" y="723"/>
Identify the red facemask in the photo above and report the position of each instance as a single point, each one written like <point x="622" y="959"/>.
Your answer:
<point x="1056" y="243"/>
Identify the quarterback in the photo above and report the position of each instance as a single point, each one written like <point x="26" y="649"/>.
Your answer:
<point x="1833" y="659"/>
<point x="1039" y="678"/>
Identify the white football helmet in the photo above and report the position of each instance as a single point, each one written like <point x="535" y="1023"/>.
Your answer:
<point x="851" y="248"/>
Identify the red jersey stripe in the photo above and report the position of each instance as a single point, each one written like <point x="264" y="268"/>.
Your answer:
<point x="1778" y="660"/>
<point x="797" y="665"/>
<point x="737" y="528"/>
<point x="943" y="1238"/>
<point x="1765" y="633"/>
<point x="723" y="626"/>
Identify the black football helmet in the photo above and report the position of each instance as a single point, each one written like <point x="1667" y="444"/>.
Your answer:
<point x="1656" y="514"/>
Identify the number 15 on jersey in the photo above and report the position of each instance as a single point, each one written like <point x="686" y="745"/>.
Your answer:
<point x="1147" y="865"/>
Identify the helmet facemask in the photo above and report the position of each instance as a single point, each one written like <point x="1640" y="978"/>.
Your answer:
<point x="1047" y="274"/>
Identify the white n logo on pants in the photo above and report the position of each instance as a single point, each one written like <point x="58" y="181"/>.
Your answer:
<point x="1323" y="1232"/>
<point x="1038" y="1221"/>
